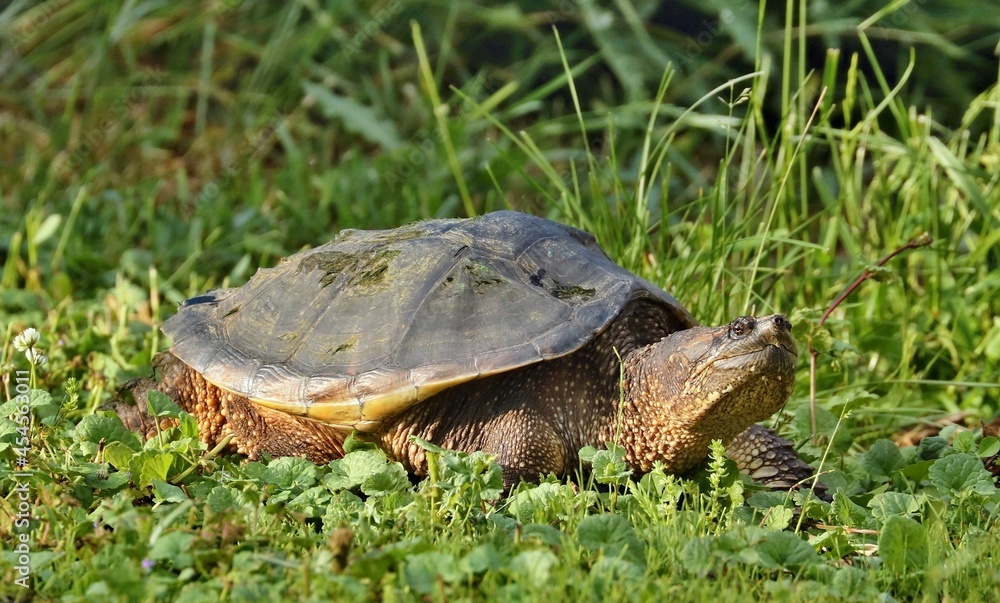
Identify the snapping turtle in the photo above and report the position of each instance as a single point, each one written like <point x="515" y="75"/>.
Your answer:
<point x="506" y="333"/>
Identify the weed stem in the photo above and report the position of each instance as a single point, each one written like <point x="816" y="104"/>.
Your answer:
<point x="921" y="241"/>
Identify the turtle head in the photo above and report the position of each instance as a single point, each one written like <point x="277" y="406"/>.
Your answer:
<point x="707" y="383"/>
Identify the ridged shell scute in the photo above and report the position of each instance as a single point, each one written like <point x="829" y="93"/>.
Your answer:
<point x="357" y="330"/>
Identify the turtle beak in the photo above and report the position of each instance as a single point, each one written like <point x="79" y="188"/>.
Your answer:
<point x="775" y="334"/>
<point x="777" y="331"/>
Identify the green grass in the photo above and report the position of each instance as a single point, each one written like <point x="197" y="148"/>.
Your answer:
<point x="150" y="152"/>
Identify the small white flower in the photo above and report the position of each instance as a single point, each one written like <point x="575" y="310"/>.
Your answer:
<point x="26" y="340"/>
<point x="36" y="357"/>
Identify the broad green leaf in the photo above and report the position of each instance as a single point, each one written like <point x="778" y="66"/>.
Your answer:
<point x="836" y="543"/>
<point x="312" y="502"/>
<point x="352" y="470"/>
<point x="390" y="478"/>
<point x="887" y="504"/>
<point x="960" y="472"/>
<point x="917" y="472"/>
<point x="587" y="454"/>
<point x="698" y="556"/>
<point x="749" y="545"/>
<point x="188" y="426"/>
<point x="989" y="446"/>
<point x="483" y="558"/>
<point x="826" y="423"/>
<point x="160" y="405"/>
<point x="543" y="534"/>
<point x="9" y="407"/>
<point x="8" y="433"/>
<point x="40" y="400"/>
<point x="779" y="518"/>
<point x="222" y="499"/>
<point x="291" y="472"/>
<point x="785" y="550"/>
<point x="375" y="563"/>
<point x="477" y="469"/>
<point x="344" y="509"/>
<point x="94" y="428"/>
<point x="766" y="499"/>
<point x="535" y="565"/>
<point x="659" y="486"/>
<point x="855" y="584"/>
<point x="538" y="503"/>
<point x="119" y="455"/>
<point x="612" y="569"/>
<point x="949" y="431"/>
<point x="883" y="459"/>
<point x="819" y="337"/>
<point x="173" y="547"/>
<point x="164" y="492"/>
<point x="424" y="571"/>
<point x="611" y="535"/>
<point x="111" y="482"/>
<point x="150" y="466"/>
<point x="254" y="470"/>
<point x="931" y="447"/>
<point x="964" y="441"/>
<point x="850" y="513"/>
<point x="812" y="506"/>
<point x="902" y="544"/>
<point x="610" y="468"/>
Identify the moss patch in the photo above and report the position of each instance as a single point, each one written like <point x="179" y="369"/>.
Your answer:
<point x="364" y="268"/>
<point x="347" y="345"/>
<point x="482" y="276"/>
<point x="562" y="291"/>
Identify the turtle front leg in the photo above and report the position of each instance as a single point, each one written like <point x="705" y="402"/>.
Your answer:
<point x="526" y="447"/>
<point x="769" y="459"/>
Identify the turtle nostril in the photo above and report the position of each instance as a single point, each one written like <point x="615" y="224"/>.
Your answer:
<point x="783" y="323"/>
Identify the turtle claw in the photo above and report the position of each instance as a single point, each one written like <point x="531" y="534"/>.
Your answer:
<point x="772" y="461"/>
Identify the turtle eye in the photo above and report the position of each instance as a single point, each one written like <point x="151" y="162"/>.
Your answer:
<point x="742" y="326"/>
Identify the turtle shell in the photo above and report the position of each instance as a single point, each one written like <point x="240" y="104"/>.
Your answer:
<point x="357" y="330"/>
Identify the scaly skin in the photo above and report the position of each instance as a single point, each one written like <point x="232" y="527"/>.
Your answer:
<point x="679" y="394"/>
<point x="665" y="401"/>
